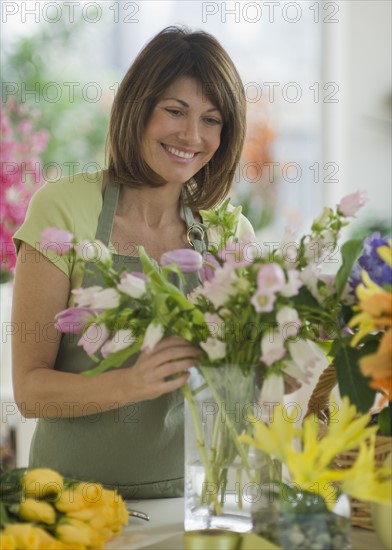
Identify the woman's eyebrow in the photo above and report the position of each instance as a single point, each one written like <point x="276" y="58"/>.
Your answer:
<point x="185" y="104"/>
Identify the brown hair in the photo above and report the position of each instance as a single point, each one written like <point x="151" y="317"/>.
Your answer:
<point x="173" y="53"/>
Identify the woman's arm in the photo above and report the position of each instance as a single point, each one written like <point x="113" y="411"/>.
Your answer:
<point x="40" y="291"/>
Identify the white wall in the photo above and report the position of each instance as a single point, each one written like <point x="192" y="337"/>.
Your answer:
<point x="357" y="129"/>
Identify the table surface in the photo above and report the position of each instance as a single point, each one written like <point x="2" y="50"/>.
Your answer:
<point x="166" y="525"/>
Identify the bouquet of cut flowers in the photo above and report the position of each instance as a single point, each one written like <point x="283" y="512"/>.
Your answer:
<point x="315" y="481"/>
<point x="372" y="282"/>
<point x="42" y="510"/>
<point x="273" y="310"/>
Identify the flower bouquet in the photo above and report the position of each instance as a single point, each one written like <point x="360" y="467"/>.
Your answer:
<point x="42" y="510"/>
<point x="262" y="318"/>
<point x="310" y="510"/>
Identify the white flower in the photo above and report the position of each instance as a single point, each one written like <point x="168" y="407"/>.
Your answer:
<point x="93" y="251"/>
<point x="131" y="285"/>
<point x="271" y="394"/>
<point x="108" y="298"/>
<point x="310" y="276"/>
<point x="307" y="356"/>
<point x="221" y="287"/>
<point x="289" y="322"/>
<point x="122" y="339"/>
<point x="272" y="347"/>
<point x="292" y="369"/>
<point x="214" y="348"/>
<point x="84" y="296"/>
<point x="152" y="336"/>
<point x="215" y="324"/>
<point x="293" y="284"/>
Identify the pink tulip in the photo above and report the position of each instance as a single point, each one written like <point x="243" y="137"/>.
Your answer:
<point x="188" y="260"/>
<point x="58" y="240"/>
<point x="350" y="204"/>
<point x="73" y="319"/>
<point x="122" y="339"/>
<point x="93" y="338"/>
<point x="209" y="266"/>
<point x="132" y="285"/>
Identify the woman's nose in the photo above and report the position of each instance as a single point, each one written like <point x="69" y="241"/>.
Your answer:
<point x="190" y="131"/>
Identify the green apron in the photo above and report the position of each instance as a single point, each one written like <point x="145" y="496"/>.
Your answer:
<point x="137" y="449"/>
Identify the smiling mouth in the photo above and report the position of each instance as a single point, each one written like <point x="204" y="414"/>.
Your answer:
<point x="178" y="153"/>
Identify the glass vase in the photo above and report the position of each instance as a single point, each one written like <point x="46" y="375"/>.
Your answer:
<point x="222" y="475"/>
<point x="302" y="520"/>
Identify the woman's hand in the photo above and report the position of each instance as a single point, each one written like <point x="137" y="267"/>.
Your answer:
<point x="163" y="370"/>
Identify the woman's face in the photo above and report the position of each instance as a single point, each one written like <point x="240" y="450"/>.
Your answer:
<point x="183" y="132"/>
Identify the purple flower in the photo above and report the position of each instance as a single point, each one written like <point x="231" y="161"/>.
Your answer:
<point x="188" y="260"/>
<point x="73" y="320"/>
<point x="370" y="261"/>
<point x="210" y="264"/>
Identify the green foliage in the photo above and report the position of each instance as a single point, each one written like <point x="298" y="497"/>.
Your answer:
<point x="351" y="251"/>
<point x="77" y="126"/>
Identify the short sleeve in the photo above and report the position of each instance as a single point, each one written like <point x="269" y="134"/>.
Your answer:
<point x="70" y="204"/>
<point x="47" y="208"/>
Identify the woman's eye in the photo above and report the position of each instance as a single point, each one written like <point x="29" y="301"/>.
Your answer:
<point x="212" y="121"/>
<point x="174" y="112"/>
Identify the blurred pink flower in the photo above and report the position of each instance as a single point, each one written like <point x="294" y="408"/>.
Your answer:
<point x="55" y="239"/>
<point x="272" y="347"/>
<point x="214" y="348"/>
<point x="270" y="278"/>
<point x="122" y="339"/>
<point x="84" y="296"/>
<point x="350" y="204"/>
<point x="188" y="260"/>
<point x="95" y="336"/>
<point x="132" y="285"/>
<point x="73" y="319"/>
<point x="152" y="336"/>
<point x="20" y="172"/>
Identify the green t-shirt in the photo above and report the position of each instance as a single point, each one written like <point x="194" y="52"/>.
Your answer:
<point x="73" y="204"/>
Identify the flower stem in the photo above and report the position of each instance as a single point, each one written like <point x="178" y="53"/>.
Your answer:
<point x="209" y="477"/>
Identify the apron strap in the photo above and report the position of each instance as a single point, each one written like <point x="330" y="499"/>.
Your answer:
<point x="106" y="217"/>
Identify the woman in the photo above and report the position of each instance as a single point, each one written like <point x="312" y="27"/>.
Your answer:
<point x="175" y="137"/>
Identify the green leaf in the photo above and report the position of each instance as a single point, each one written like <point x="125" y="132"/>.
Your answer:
<point x="351" y="251"/>
<point x="305" y="298"/>
<point x="114" y="360"/>
<point x="351" y="382"/>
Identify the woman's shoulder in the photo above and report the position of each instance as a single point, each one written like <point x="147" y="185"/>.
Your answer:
<point x="73" y="190"/>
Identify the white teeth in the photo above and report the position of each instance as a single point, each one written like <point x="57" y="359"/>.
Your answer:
<point x="178" y="153"/>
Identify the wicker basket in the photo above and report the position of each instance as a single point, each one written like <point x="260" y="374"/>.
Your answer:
<point x="319" y="405"/>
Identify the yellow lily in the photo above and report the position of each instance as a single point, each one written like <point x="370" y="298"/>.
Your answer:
<point x="274" y="438"/>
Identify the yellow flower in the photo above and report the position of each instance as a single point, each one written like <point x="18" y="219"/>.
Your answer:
<point x="7" y="542"/>
<point x="385" y="253"/>
<point x="379" y="366"/>
<point x="24" y="535"/>
<point x="73" y="531"/>
<point x="34" y="510"/>
<point x="364" y="482"/>
<point x="45" y="541"/>
<point x="311" y="466"/>
<point x="274" y="438"/>
<point x="42" y="482"/>
<point x="79" y="497"/>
